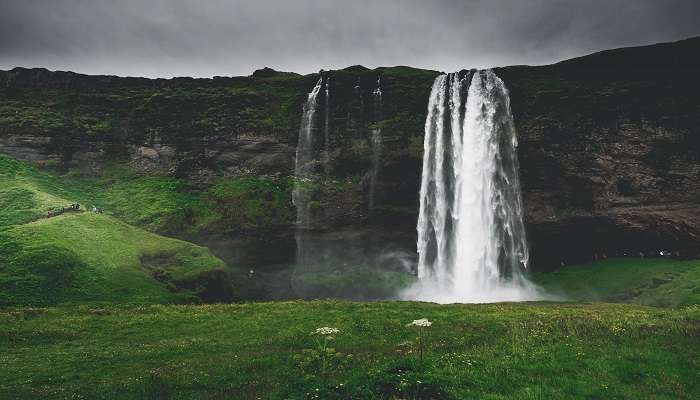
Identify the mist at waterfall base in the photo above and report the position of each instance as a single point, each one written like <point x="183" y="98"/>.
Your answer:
<point x="358" y="263"/>
<point x="471" y="236"/>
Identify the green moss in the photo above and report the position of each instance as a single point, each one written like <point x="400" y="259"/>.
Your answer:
<point x="37" y="274"/>
<point x="17" y="206"/>
<point x="26" y="193"/>
<point x="156" y="203"/>
<point x="85" y="257"/>
<point x="94" y="258"/>
<point x="253" y="203"/>
<point x="654" y="281"/>
<point x="43" y="117"/>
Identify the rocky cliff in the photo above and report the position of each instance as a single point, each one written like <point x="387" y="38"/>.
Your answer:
<point x="609" y="144"/>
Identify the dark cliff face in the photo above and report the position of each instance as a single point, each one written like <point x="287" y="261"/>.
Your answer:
<point x="609" y="145"/>
<point x="610" y="151"/>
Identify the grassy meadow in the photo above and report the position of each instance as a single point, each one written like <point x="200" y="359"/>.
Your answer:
<point x="660" y="282"/>
<point x="268" y="351"/>
<point x="101" y="306"/>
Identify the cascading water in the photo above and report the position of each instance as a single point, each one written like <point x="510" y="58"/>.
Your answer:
<point x="305" y="166"/>
<point x="356" y="112"/>
<point x="471" y="236"/>
<point x="376" y="142"/>
<point x="327" y="131"/>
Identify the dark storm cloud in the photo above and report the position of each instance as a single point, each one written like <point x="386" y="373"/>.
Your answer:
<point x="217" y="37"/>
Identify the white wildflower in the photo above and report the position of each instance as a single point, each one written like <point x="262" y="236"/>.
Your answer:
<point x="422" y="324"/>
<point x="326" y="331"/>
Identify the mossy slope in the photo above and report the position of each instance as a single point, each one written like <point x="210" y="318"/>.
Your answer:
<point x="85" y="257"/>
<point x="653" y="281"/>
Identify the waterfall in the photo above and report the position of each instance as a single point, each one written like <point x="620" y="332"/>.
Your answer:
<point x="327" y="132"/>
<point x="356" y="112"/>
<point x="304" y="169"/>
<point x="471" y="236"/>
<point x="376" y="142"/>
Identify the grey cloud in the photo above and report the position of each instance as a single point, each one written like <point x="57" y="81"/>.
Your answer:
<point x="218" y="37"/>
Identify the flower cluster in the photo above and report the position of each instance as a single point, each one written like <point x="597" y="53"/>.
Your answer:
<point x="423" y="322"/>
<point x="325" y="331"/>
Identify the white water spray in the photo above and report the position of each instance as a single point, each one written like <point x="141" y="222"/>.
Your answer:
<point x="471" y="236"/>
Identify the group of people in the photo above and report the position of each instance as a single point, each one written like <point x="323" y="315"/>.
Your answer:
<point x="641" y="254"/>
<point x="651" y="254"/>
<point x="73" y="208"/>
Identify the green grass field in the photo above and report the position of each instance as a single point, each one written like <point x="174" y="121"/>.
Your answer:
<point x="95" y="258"/>
<point x="661" y="282"/>
<point x="85" y="257"/>
<point x="267" y="351"/>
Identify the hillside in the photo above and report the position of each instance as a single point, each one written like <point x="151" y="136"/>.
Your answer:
<point x="83" y="257"/>
<point x="86" y="257"/>
<point x="608" y="148"/>
<point x="661" y="282"/>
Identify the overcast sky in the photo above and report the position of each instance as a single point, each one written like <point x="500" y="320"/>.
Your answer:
<point x="165" y="38"/>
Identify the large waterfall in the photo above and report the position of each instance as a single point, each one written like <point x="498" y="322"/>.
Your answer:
<point x="471" y="237"/>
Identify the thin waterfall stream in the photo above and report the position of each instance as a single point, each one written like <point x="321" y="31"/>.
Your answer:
<point x="304" y="168"/>
<point x="376" y="143"/>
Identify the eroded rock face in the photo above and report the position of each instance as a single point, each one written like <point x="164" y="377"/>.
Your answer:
<point x="610" y="152"/>
<point x="609" y="144"/>
<point x="25" y="146"/>
<point x="634" y="188"/>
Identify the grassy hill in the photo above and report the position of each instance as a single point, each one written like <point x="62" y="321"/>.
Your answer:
<point x="161" y="204"/>
<point x="85" y="257"/>
<point x="659" y="282"/>
<point x="155" y="203"/>
<point x="267" y="351"/>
